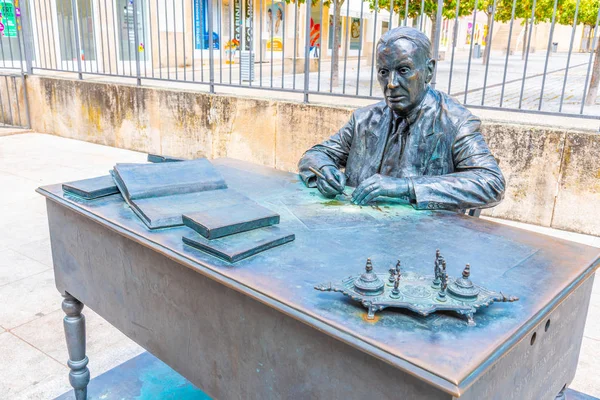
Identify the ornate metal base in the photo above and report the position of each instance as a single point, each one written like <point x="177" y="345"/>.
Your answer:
<point x="421" y="294"/>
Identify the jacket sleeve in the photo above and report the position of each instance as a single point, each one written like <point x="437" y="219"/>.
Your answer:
<point x="476" y="182"/>
<point x="334" y="151"/>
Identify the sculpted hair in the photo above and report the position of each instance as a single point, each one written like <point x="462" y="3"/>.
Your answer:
<point x="413" y="35"/>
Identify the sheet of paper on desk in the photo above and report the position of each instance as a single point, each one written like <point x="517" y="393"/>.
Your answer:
<point x="92" y="188"/>
<point x="242" y="245"/>
<point x="229" y="220"/>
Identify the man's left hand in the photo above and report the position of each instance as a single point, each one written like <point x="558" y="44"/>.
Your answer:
<point x="380" y="185"/>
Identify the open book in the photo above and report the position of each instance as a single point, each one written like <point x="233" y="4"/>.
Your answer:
<point x="161" y="193"/>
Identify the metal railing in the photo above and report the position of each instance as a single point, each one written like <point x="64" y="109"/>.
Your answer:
<point x="488" y="55"/>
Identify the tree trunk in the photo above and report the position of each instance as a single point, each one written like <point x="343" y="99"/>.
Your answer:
<point x="335" y="52"/>
<point x="525" y="39"/>
<point x="433" y="17"/>
<point x="593" y="89"/>
<point x="488" y="45"/>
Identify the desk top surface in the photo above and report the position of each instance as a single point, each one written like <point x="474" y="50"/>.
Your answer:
<point x="333" y="240"/>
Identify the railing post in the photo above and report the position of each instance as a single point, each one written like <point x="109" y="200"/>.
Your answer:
<point x="211" y="56"/>
<point x="307" y="5"/>
<point x="26" y="34"/>
<point x="436" y="44"/>
<point x="76" y="34"/>
<point x="137" y="44"/>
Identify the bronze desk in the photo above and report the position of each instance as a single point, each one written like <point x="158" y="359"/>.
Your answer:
<point x="257" y="329"/>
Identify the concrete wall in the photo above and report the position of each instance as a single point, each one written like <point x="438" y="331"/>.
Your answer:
<point x="553" y="174"/>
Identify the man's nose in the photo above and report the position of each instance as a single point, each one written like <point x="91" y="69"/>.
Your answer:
<point x="393" y="80"/>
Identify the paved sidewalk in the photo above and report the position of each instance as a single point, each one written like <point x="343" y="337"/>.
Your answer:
<point x="33" y="353"/>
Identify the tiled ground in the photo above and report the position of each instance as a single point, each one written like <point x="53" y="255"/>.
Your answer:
<point x="32" y="349"/>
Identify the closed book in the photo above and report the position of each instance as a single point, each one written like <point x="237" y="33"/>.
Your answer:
<point x="92" y="188"/>
<point x="234" y="248"/>
<point x="229" y="220"/>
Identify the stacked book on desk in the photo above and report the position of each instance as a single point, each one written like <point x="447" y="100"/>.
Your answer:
<point x="229" y="225"/>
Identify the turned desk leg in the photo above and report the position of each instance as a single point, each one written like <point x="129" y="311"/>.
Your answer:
<point x="74" y="323"/>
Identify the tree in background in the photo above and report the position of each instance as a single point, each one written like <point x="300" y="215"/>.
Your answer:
<point x="543" y="13"/>
<point x="429" y="9"/>
<point x="587" y="15"/>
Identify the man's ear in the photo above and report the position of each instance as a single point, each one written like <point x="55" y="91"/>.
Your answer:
<point x="429" y="70"/>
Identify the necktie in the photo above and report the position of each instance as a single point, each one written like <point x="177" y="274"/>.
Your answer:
<point x="394" y="148"/>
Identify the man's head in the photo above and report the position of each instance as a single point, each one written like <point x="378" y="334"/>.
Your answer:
<point x="404" y="68"/>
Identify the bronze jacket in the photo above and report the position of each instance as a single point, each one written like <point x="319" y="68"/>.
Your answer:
<point x="446" y="158"/>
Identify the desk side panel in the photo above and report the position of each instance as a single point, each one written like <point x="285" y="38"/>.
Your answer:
<point x="231" y="346"/>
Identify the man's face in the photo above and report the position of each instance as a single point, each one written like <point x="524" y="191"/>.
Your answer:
<point x="403" y="73"/>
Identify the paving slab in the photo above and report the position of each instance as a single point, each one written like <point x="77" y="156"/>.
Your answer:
<point x="28" y="299"/>
<point x="15" y="266"/>
<point x="23" y="366"/>
<point x="38" y="250"/>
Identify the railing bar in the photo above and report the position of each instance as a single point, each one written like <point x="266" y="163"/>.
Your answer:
<point x="405" y="13"/>
<point x="167" y="40"/>
<point x="25" y="99"/>
<point x="201" y="18"/>
<point x="74" y="14"/>
<point x="44" y="36"/>
<point x="454" y="36"/>
<point x="282" y="47"/>
<point x="85" y="29"/>
<point x="295" y="40"/>
<point x="220" y="30"/>
<point x="260" y="5"/>
<point x="334" y="25"/>
<point x="53" y="36"/>
<point x="423" y="12"/>
<point x="346" y="46"/>
<point x="41" y="41"/>
<point x="95" y="39"/>
<point x="308" y="6"/>
<point x="143" y="5"/>
<point x="183" y="34"/>
<point x="512" y="20"/>
<point x="211" y="54"/>
<point x="231" y="37"/>
<point x="391" y="13"/>
<point x="69" y="37"/>
<point x="2" y="109"/>
<point x="592" y="52"/>
<point x="550" y="36"/>
<point x="375" y="11"/>
<point x="158" y="39"/>
<point x="241" y="11"/>
<point x="470" y="53"/>
<point x="193" y="25"/>
<point x="101" y="35"/>
<point x="562" y="96"/>
<point x="129" y="41"/>
<point x="320" y="46"/>
<point x="271" y="31"/>
<point x="250" y="47"/>
<point x="136" y="39"/>
<point x="360" y="38"/>
<point x="488" y="46"/>
<point x="175" y="42"/>
<point x="527" y="52"/>
<point x="21" y="47"/>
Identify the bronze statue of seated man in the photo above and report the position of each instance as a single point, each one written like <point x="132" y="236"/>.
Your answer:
<point x="419" y="144"/>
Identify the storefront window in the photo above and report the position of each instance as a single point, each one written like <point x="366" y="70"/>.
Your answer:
<point x="201" y="26"/>
<point x="127" y="29"/>
<point x="66" y="28"/>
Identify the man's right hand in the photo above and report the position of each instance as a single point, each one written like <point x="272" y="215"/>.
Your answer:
<point x="334" y="181"/>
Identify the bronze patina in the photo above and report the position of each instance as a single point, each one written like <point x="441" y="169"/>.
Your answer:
<point x="422" y="294"/>
<point x="418" y="144"/>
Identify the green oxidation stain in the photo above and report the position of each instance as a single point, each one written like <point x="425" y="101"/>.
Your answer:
<point x="334" y="203"/>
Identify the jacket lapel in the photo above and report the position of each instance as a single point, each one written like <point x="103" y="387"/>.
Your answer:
<point x="376" y="139"/>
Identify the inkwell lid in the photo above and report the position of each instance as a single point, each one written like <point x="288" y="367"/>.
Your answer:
<point x="369" y="283"/>
<point x="463" y="287"/>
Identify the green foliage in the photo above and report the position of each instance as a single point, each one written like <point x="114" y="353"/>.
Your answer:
<point x="587" y="13"/>
<point x="543" y="10"/>
<point x="429" y="7"/>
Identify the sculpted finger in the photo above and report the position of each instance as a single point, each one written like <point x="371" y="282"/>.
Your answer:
<point x="361" y="188"/>
<point x="371" y="196"/>
<point x="332" y="178"/>
<point x="325" y="188"/>
<point x="362" y="195"/>
<point x="341" y="178"/>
